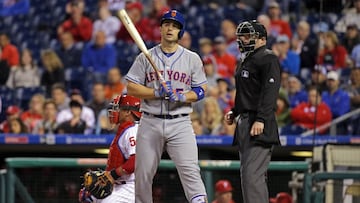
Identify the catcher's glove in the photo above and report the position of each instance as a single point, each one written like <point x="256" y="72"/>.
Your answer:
<point x="98" y="183"/>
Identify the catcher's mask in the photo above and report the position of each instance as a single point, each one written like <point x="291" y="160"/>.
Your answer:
<point x="247" y="32"/>
<point x="124" y="102"/>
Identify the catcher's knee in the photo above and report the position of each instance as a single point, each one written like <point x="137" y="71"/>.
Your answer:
<point x="199" y="199"/>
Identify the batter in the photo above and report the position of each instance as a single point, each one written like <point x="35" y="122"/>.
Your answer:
<point x="166" y="123"/>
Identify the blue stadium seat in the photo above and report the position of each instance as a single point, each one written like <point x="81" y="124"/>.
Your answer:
<point x="23" y="95"/>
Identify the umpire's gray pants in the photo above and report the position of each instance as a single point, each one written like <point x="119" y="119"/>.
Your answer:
<point x="254" y="160"/>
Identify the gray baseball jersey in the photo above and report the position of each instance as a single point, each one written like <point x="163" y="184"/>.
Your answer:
<point x="184" y="69"/>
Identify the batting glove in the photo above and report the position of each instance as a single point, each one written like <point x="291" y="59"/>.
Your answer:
<point x="177" y="97"/>
<point x="163" y="92"/>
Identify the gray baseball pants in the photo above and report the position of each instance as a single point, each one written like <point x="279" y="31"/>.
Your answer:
<point x="254" y="160"/>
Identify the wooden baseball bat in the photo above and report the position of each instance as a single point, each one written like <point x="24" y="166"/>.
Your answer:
<point x="130" y="27"/>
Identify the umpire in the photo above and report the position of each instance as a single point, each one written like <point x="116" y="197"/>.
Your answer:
<point x="257" y="88"/>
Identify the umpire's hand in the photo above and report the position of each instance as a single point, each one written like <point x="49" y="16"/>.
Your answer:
<point x="229" y="118"/>
<point x="257" y="128"/>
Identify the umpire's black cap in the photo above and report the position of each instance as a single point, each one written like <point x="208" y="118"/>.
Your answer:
<point x="260" y="28"/>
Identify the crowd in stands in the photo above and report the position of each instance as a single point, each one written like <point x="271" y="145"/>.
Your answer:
<point x="67" y="86"/>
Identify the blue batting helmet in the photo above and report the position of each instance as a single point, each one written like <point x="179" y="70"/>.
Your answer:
<point x="177" y="17"/>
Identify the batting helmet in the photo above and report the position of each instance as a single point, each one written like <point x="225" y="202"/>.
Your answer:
<point x="252" y="29"/>
<point x="222" y="186"/>
<point x="177" y="17"/>
<point x="125" y="102"/>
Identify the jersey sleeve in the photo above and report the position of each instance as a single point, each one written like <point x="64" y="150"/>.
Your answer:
<point x="127" y="143"/>
<point x="197" y="74"/>
<point x="136" y="73"/>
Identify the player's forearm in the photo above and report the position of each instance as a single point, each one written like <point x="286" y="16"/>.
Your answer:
<point x="140" y="91"/>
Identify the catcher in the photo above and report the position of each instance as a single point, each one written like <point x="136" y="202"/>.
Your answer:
<point x="116" y="184"/>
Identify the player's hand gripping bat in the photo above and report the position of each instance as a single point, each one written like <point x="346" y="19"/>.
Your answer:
<point x="129" y="25"/>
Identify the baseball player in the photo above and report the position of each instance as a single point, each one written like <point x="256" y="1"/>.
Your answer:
<point x="124" y="112"/>
<point x="166" y="123"/>
<point x="223" y="192"/>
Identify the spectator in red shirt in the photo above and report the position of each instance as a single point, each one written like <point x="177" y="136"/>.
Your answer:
<point x="135" y="12"/>
<point x="12" y="112"/>
<point x="333" y="53"/>
<point x="277" y="25"/>
<point x="9" y="52"/>
<point x="225" y="62"/>
<point x="35" y="112"/>
<point x="78" y="25"/>
<point x="223" y="192"/>
<point x="303" y="115"/>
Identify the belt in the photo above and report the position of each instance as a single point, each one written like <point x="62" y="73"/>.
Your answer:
<point x="166" y="116"/>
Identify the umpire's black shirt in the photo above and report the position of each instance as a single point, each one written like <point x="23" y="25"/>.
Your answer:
<point x="257" y="86"/>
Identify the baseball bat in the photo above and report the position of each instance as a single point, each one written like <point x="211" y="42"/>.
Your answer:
<point x="130" y="27"/>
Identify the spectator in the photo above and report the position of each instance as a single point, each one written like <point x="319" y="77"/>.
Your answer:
<point x="158" y="8"/>
<point x="26" y="74"/>
<point x="186" y="40"/>
<point x="69" y="52"/>
<point x="304" y="117"/>
<point x="223" y="192"/>
<point x="142" y="24"/>
<point x="60" y="97"/>
<point x="205" y="47"/>
<point x="210" y="72"/>
<point x="211" y="116"/>
<point x="98" y="101"/>
<point x="352" y="16"/>
<point x="318" y="78"/>
<point x="265" y="20"/>
<point x="284" y="85"/>
<point x="353" y="90"/>
<point x="115" y="84"/>
<point x="53" y="70"/>
<point x="296" y="93"/>
<point x="283" y="110"/>
<point x="98" y="56"/>
<point x="78" y="25"/>
<point x="352" y="37"/>
<point x="355" y="56"/>
<point x="228" y="30"/>
<point x="333" y="53"/>
<point x="278" y="26"/>
<point x="224" y="99"/>
<point x="9" y="52"/>
<point x="289" y="60"/>
<point x="86" y="114"/>
<point x="4" y="70"/>
<point x="196" y="123"/>
<point x="306" y="46"/>
<point x="35" y="112"/>
<point x="337" y="99"/>
<point x="75" y="124"/>
<point x="12" y="112"/>
<point x="107" y="23"/>
<point x="17" y="126"/>
<point x="103" y="125"/>
<point x="282" y="197"/>
<point x="48" y="124"/>
<point x="225" y="62"/>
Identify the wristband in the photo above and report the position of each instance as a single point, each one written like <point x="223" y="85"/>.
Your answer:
<point x="156" y="93"/>
<point x="114" y="174"/>
<point x="199" y="91"/>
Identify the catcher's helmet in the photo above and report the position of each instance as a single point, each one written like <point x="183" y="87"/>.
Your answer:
<point x="177" y="17"/>
<point x="251" y="29"/>
<point x="125" y="102"/>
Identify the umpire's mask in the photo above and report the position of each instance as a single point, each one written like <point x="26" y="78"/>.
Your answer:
<point x="247" y="32"/>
